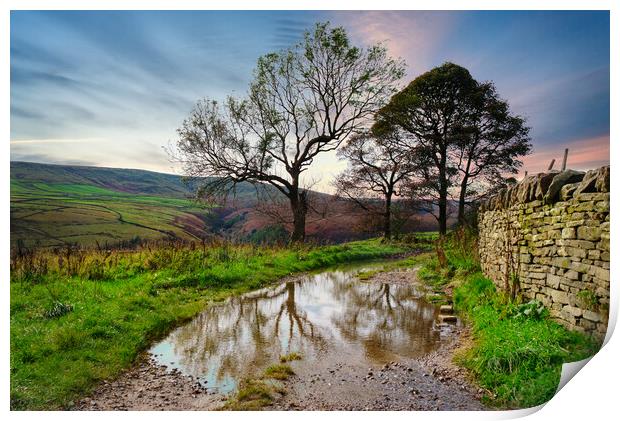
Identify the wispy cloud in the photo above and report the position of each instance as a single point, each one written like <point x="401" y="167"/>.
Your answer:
<point x="128" y="78"/>
<point x="414" y="36"/>
<point x="41" y="141"/>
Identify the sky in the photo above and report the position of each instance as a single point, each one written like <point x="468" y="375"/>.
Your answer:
<point x="110" y="88"/>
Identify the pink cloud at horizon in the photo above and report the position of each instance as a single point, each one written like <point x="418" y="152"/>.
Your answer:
<point x="583" y="154"/>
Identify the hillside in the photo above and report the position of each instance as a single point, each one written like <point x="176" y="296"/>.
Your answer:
<point x="57" y="205"/>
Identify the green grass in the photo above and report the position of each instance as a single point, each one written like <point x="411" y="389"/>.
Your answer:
<point x="516" y="355"/>
<point x="82" y="318"/>
<point x="293" y="356"/>
<point x="253" y="395"/>
<point x="279" y="371"/>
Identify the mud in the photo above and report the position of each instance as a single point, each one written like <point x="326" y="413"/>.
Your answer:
<point x="147" y="387"/>
<point x="430" y="383"/>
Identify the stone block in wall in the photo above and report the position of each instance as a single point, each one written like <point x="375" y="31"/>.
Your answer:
<point x="559" y="181"/>
<point x="576" y="243"/>
<point x="543" y="298"/>
<point x="584" y="207"/>
<point x="604" y="243"/>
<point x="591" y="197"/>
<point x="553" y="281"/>
<point x="592" y="316"/>
<point x="602" y="292"/>
<point x="575" y="223"/>
<point x="577" y="216"/>
<point x="566" y="192"/>
<point x="576" y="252"/>
<point x="580" y="267"/>
<point x="558" y="296"/>
<point x="594" y="181"/>
<point x="567" y="317"/>
<point x="602" y="206"/>
<point x="599" y="273"/>
<point x="587" y="325"/>
<point x="561" y="262"/>
<point x="603" y="179"/>
<point x="569" y="233"/>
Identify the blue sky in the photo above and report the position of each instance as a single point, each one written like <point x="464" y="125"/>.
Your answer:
<point x="110" y="88"/>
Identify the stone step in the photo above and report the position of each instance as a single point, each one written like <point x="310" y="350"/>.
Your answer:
<point x="446" y="309"/>
<point x="447" y="318"/>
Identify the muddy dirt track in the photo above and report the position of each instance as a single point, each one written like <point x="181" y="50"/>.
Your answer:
<point x="427" y="383"/>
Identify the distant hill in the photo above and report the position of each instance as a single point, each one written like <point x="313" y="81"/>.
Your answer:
<point x="117" y="179"/>
<point x="56" y="205"/>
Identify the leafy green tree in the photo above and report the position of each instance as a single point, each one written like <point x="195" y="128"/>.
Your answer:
<point x="303" y="101"/>
<point x="427" y="112"/>
<point x="489" y="143"/>
<point x="458" y="131"/>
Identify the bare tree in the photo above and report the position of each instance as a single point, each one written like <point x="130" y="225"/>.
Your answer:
<point x="378" y="167"/>
<point x="303" y="101"/>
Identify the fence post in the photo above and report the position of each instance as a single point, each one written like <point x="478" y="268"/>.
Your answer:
<point x="564" y="160"/>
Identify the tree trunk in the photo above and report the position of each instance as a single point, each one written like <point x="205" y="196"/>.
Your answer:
<point x="462" y="196"/>
<point x="299" y="206"/>
<point x="443" y="225"/>
<point x="463" y="193"/>
<point x="387" y="218"/>
<point x="443" y="199"/>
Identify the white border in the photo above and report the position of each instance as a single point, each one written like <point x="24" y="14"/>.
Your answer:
<point x="590" y="395"/>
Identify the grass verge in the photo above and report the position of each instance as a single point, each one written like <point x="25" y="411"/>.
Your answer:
<point x="80" y="318"/>
<point x="518" y="351"/>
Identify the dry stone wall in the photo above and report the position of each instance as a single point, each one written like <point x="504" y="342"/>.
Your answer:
<point x="548" y="238"/>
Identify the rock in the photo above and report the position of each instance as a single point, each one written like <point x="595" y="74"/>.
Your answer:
<point x="559" y="181"/>
<point x="446" y="309"/>
<point x="594" y="181"/>
<point x="592" y="316"/>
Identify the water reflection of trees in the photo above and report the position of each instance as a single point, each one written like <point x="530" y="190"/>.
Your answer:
<point x="385" y="318"/>
<point x="246" y="332"/>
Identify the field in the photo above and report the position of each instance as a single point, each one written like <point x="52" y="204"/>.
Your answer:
<point x="56" y="214"/>
<point x="61" y="205"/>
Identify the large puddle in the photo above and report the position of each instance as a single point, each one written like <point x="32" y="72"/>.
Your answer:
<point x="326" y="316"/>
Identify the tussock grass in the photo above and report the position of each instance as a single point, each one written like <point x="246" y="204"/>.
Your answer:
<point x="279" y="371"/>
<point x="293" y="356"/>
<point x="126" y="301"/>
<point x="252" y="395"/>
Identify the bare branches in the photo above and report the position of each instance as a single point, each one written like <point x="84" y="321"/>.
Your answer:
<point x="378" y="169"/>
<point x="302" y="102"/>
